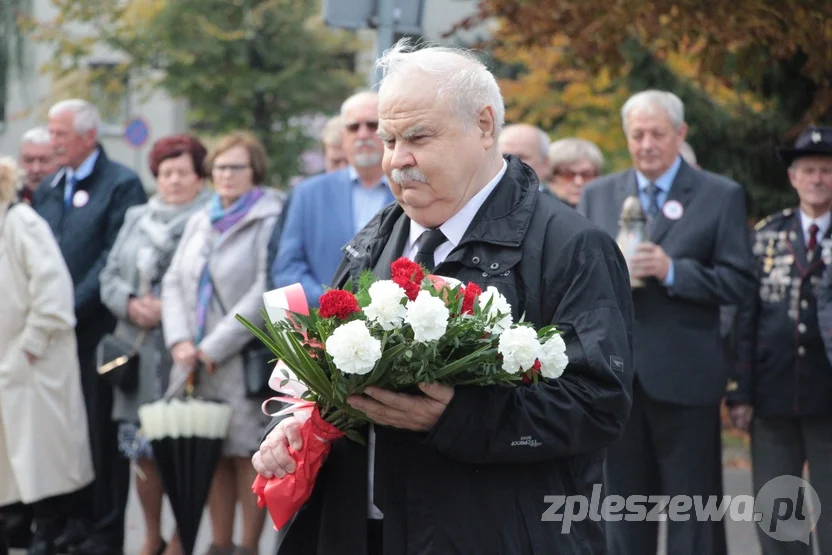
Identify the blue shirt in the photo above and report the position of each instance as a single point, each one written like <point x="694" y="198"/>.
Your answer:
<point x="83" y="171"/>
<point x="367" y="201"/>
<point x="664" y="183"/>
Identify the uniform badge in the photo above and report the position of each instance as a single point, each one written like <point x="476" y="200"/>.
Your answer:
<point x="80" y="198"/>
<point x="673" y="210"/>
<point x="816" y="137"/>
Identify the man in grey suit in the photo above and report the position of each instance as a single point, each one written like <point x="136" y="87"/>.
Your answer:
<point x="699" y="258"/>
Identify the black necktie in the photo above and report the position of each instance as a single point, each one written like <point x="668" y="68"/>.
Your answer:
<point x="428" y="242"/>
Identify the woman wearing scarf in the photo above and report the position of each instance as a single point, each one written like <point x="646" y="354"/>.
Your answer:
<point x="218" y="271"/>
<point x="131" y="290"/>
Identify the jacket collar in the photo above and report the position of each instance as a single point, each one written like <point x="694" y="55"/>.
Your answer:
<point x="503" y="220"/>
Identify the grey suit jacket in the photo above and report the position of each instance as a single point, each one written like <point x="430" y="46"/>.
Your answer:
<point x="677" y="345"/>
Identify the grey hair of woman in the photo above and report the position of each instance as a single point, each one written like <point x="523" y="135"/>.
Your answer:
<point x="565" y="152"/>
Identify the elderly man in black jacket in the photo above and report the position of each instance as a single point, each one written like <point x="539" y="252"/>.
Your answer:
<point x="466" y="470"/>
<point x="84" y="204"/>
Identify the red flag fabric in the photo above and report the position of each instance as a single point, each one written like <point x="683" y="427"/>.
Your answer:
<point x="283" y="497"/>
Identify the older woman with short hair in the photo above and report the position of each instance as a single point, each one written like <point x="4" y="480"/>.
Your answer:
<point x="131" y="290"/>
<point x="44" y="439"/>
<point x="574" y="162"/>
<point x="219" y="271"/>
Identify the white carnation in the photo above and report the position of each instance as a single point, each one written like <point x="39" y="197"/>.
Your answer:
<point x="520" y="349"/>
<point x="553" y="359"/>
<point x="386" y="308"/>
<point x="353" y="349"/>
<point x="428" y="316"/>
<point x="499" y="313"/>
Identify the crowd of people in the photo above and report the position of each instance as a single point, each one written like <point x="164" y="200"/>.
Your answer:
<point x="725" y="313"/>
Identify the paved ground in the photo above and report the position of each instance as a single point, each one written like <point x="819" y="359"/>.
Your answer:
<point x="742" y="538"/>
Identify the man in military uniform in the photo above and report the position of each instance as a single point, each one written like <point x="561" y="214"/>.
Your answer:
<point x="782" y="387"/>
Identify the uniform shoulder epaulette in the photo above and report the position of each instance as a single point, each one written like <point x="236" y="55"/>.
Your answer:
<point x="773" y="218"/>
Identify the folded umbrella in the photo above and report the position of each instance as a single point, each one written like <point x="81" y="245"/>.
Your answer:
<point x="187" y="438"/>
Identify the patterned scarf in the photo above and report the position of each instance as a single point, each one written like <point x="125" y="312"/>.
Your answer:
<point x="222" y="219"/>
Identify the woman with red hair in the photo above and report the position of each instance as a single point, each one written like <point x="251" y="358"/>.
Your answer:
<point x="130" y="288"/>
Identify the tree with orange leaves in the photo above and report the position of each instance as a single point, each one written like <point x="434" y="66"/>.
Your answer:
<point x="752" y="73"/>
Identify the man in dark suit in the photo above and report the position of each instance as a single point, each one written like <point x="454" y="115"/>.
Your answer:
<point x="84" y="204"/>
<point x="698" y="258"/>
<point x="782" y="388"/>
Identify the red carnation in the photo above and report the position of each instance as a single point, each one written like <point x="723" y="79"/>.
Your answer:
<point x="470" y="293"/>
<point x="535" y="369"/>
<point x="408" y="275"/>
<point x="406" y="270"/>
<point x="338" y="303"/>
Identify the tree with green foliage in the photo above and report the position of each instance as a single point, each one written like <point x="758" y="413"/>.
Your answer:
<point x="12" y="51"/>
<point x="260" y="65"/>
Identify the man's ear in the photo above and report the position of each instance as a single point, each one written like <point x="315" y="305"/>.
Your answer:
<point x="485" y="122"/>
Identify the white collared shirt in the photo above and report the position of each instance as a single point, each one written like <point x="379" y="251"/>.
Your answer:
<point x="455" y="228"/>
<point x="822" y="223"/>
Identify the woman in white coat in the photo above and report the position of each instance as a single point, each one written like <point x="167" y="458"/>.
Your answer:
<point x="44" y="443"/>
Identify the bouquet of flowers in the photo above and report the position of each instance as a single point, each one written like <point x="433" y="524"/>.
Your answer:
<point x="414" y="328"/>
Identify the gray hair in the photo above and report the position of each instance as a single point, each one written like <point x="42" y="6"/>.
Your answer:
<point x="568" y="151"/>
<point x="687" y="153"/>
<point x="331" y="133"/>
<point x="36" y="136"/>
<point x="651" y="100"/>
<point x="85" y="115"/>
<point x="466" y="82"/>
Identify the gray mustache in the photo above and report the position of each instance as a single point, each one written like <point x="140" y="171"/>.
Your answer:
<point x="408" y="174"/>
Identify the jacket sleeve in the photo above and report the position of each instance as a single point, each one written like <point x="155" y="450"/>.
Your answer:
<point x="730" y="279"/>
<point x="740" y="377"/>
<point x="292" y="263"/>
<point x="115" y="290"/>
<point x="229" y="336"/>
<point x="88" y="289"/>
<point x="174" y="314"/>
<point x="587" y="407"/>
<point x="50" y="286"/>
<point x="824" y="299"/>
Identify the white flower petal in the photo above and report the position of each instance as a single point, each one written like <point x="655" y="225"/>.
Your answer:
<point x="553" y="359"/>
<point x="386" y="308"/>
<point x="499" y="313"/>
<point x="428" y="316"/>
<point x="520" y="349"/>
<point x="353" y="349"/>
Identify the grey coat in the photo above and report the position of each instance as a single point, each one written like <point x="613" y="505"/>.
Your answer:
<point x="237" y="261"/>
<point x="120" y="280"/>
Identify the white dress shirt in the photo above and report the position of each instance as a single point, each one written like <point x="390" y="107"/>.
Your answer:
<point x="822" y="223"/>
<point x="454" y="229"/>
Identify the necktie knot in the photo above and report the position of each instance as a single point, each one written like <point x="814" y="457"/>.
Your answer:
<point x="428" y="243"/>
<point x="813" y="236"/>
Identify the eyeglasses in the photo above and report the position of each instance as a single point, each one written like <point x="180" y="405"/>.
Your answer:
<point x="570" y="175"/>
<point x="354" y="127"/>
<point x="234" y="168"/>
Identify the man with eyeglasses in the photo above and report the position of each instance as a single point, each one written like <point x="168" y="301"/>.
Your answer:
<point x="328" y="210"/>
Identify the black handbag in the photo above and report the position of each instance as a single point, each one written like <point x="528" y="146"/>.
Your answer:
<point x="118" y="361"/>
<point x="257" y="362"/>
